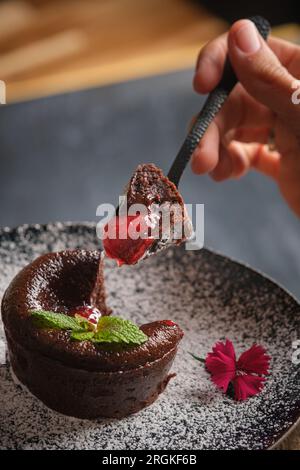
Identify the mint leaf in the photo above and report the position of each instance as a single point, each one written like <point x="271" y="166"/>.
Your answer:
<point x="108" y="329"/>
<point x="60" y="321"/>
<point x="84" y="323"/>
<point x="118" y="330"/>
<point x="82" y="335"/>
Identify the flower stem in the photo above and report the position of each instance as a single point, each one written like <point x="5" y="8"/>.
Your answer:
<point x="200" y="359"/>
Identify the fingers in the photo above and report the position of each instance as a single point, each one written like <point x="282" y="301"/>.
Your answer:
<point x="213" y="157"/>
<point x="248" y="135"/>
<point x="263" y="160"/>
<point x="241" y="110"/>
<point x="238" y="158"/>
<point x="260" y="71"/>
<point x="225" y="166"/>
<point x="206" y="156"/>
<point x="241" y="115"/>
<point x="288" y="54"/>
<point x="267" y="76"/>
<point x="210" y="63"/>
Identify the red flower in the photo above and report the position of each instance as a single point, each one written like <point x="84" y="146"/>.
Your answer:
<point x="244" y="374"/>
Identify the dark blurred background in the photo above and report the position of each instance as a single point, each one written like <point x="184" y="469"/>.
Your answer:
<point x="96" y="87"/>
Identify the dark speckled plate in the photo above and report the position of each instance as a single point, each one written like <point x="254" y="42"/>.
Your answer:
<point x="211" y="297"/>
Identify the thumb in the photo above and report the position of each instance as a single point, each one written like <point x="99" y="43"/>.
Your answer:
<point x="260" y="71"/>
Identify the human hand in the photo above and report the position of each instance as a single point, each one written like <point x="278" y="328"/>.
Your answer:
<point x="261" y="104"/>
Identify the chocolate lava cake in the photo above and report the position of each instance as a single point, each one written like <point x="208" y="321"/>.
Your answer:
<point x="152" y="189"/>
<point x="81" y="378"/>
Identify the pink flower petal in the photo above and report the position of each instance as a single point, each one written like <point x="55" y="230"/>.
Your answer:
<point x="246" y="386"/>
<point x="254" y="360"/>
<point x="226" y="348"/>
<point x="221" y="364"/>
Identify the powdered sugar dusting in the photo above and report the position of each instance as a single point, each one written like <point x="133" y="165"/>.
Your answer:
<point x="211" y="298"/>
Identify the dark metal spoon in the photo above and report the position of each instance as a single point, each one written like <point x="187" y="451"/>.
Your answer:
<point x="210" y="109"/>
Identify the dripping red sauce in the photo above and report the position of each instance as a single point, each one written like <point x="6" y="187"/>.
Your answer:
<point x="121" y="247"/>
<point x="168" y="322"/>
<point x="87" y="312"/>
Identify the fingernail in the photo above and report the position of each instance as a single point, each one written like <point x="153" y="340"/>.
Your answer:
<point x="246" y="38"/>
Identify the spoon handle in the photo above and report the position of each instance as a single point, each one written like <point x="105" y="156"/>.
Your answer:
<point x="210" y="109"/>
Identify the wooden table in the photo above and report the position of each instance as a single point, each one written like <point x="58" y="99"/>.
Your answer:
<point x="50" y="46"/>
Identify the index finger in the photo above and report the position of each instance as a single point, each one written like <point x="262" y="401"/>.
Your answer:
<point x="211" y="59"/>
<point x="210" y="63"/>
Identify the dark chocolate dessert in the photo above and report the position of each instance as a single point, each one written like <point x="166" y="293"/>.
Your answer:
<point x="81" y="378"/>
<point x="164" y="222"/>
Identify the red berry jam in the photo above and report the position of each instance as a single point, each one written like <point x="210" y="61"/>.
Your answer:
<point x="168" y="322"/>
<point x="88" y="313"/>
<point x="118" y="243"/>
